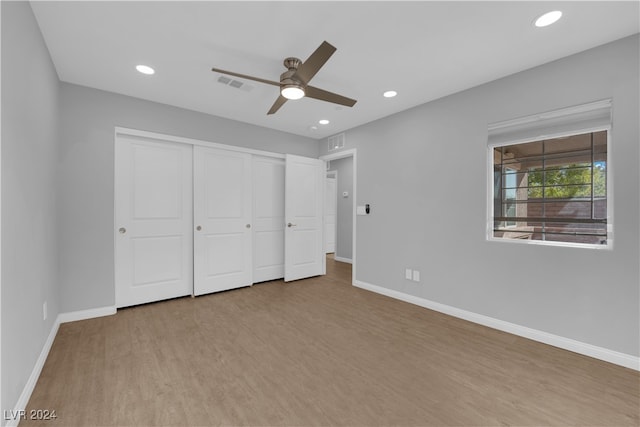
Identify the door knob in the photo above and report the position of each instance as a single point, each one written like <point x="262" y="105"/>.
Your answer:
<point x="290" y="225"/>
<point x="199" y="228"/>
<point x="122" y="230"/>
<point x="248" y="225"/>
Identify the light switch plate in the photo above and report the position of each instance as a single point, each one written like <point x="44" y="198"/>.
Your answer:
<point x="416" y="276"/>
<point x="407" y="274"/>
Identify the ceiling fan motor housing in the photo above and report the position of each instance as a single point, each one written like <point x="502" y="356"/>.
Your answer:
<point x="287" y="78"/>
<point x="292" y="63"/>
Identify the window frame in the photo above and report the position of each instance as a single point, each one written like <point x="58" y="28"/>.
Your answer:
<point x="609" y="180"/>
<point x="504" y="187"/>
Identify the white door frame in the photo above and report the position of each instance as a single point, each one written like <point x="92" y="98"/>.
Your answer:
<point x="332" y="174"/>
<point x="153" y="136"/>
<point x="343" y="155"/>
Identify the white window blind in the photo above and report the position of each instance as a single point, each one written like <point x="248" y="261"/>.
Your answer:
<point x="594" y="115"/>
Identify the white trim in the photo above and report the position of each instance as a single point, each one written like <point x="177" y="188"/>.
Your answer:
<point x="86" y="314"/>
<point x="601" y="353"/>
<point x="334" y="174"/>
<point x="146" y="135"/>
<point x="551" y="135"/>
<point x="1" y="383"/>
<point x="352" y="152"/>
<point x="340" y="259"/>
<point x="562" y="112"/>
<point x="340" y="154"/>
<point x="21" y="404"/>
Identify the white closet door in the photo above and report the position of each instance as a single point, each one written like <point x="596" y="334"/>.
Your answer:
<point x="153" y="229"/>
<point x="330" y="215"/>
<point x="268" y="219"/>
<point x="304" y="193"/>
<point x="222" y="219"/>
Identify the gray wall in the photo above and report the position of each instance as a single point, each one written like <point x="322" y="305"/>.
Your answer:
<point x="29" y="156"/>
<point x="429" y="213"/>
<point x="88" y="119"/>
<point x="345" y="207"/>
<point x="57" y="188"/>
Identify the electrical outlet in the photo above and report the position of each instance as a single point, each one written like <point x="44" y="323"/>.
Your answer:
<point x="44" y="310"/>
<point x="407" y="273"/>
<point x="416" y="276"/>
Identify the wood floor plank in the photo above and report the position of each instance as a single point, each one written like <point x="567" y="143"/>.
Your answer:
<point x="318" y="352"/>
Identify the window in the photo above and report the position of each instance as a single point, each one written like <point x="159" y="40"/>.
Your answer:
<point x="552" y="190"/>
<point x="509" y="198"/>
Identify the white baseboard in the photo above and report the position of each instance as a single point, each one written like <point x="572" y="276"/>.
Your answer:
<point x="340" y="259"/>
<point x="611" y="356"/>
<point x="37" y="369"/>
<point x="21" y="404"/>
<point x="86" y="314"/>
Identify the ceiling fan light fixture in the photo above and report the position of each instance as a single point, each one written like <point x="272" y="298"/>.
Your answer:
<point x="292" y="92"/>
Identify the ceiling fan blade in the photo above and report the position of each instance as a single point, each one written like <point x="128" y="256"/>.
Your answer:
<point x="244" y="76"/>
<point x="323" y="95"/>
<point x="310" y="67"/>
<point x="276" y="105"/>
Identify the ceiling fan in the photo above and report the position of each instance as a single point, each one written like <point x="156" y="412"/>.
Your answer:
<point x="294" y="83"/>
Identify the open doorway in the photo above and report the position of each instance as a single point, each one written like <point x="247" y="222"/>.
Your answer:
<point x="331" y="212"/>
<point x="341" y="171"/>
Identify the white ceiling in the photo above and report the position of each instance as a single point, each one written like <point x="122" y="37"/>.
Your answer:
<point x="422" y="49"/>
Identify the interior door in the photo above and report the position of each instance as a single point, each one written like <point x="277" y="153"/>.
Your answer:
<point x="153" y="228"/>
<point x="330" y="214"/>
<point x="222" y="220"/>
<point x="268" y="218"/>
<point x="304" y="194"/>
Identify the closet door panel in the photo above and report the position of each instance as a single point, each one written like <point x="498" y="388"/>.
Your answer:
<point x="268" y="218"/>
<point x="153" y="229"/>
<point x="222" y="212"/>
<point x="304" y="209"/>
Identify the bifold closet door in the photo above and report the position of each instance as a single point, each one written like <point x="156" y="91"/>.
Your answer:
<point x="153" y="221"/>
<point x="222" y="201"/>
<point x="268" y="218"/>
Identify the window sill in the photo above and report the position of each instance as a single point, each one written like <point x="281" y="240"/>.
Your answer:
<point x="606" y="247"/>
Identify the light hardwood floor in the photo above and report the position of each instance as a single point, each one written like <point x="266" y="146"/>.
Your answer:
<point x="318" y="352"/>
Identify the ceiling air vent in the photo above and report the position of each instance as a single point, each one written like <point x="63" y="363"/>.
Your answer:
<point x="336" y="141"/>
<point x="234" y="83"/>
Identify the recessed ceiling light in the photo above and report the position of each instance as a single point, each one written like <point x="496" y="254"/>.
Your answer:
<point x="313" y="128"/>
<point x="548" y="18"/>
<point x="390" y="94"/>
<point x="145" y="69"/>
<point x="323" y="122"/>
